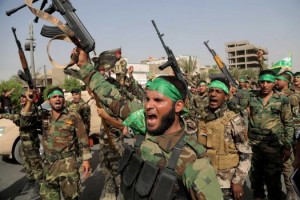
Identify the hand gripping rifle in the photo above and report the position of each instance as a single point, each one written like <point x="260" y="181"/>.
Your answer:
<point x="171" y="59"/>
<point x="26" y="75"/>
<point x="221" y="65"/>
<point x="82" y="37"/>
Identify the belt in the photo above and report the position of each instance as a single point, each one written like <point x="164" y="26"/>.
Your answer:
<point x="59" y="156"/>
<point x="269" y="137"/>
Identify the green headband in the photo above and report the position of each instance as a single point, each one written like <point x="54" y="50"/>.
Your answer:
<point x="220" y="85"/>
<point x="202" y="83"/>
<point x="267" y="77"/>
<point x="55" y="92"/>
<point x="166" y="88"/>
<point x="282" y="78"/>
<point x="136" y="121"/>
<point x="242" y="80"/>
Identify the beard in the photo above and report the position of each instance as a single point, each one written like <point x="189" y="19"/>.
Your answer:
<point x="166" y="122"/>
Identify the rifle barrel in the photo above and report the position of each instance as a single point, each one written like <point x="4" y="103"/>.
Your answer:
<point x="12" y="11"/>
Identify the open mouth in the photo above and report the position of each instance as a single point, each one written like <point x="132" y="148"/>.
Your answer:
<point x="151" y="119"/>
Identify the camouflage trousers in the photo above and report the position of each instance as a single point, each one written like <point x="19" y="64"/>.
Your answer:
<point x="30" y="153"/>
<point x="60" y="176"/>
<point x="266" y="169"/>
<point x="287" y="172"/>
<point x="109" y="161"/>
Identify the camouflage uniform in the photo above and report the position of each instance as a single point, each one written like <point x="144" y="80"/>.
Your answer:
<point x="224" y="134"/>
<point x="200" y="102"/>
<point x="108" y="94"/>
<point x="30" y="149"/>
<point x="61" y="139"/>
<point x="287" y="165"/>
<point x="121" y="70"/>
<point x="84" y="111"/>
<point x="109" y="158"/>
<point x="192" y="168"/>
<point x="238" y="104"/>
<point x="270" y="130"/>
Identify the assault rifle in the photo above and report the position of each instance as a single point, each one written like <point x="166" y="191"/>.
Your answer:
<point x="221" y="65"/>
<point x="82" y="37"/>
<point x="171" y="59"/>
<point x="26" y="75"/>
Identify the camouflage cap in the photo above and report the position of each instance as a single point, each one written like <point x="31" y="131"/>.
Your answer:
<point x="75" y="90"/>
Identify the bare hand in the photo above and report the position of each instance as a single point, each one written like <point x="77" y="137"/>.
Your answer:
<point x="102" y="113"/>
<point x="237" y="191"/>
<point x="86" y="168"/>
<point x="79" y="57"/>
<point x="130" y="70"/>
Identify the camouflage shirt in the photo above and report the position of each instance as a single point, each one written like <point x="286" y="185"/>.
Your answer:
<point x="108" y="94"/>
<point x="273" y="118"/>
<point x="84" y="111"/>
<point x="294" y="99"/>
<point x="193" y="168"/>
<point x="65" y="134"/>
<point x="235" y="135"/>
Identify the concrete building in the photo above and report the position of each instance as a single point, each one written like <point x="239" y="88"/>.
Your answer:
<point x="242" y="54"/>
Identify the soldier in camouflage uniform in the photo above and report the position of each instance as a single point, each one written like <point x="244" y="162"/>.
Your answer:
<point x="30" y="145"/>
<point x="296" y="83"/>
<point x="80" y="106"/>
<point x="120" y="68"/>
<point x="108" y="94"/>
<point x="224" y="134"/>
<point x="270" y="134"/>
<point x="110" y="153"/>
<point x="282" y="85"/>
<point x="169" y="155"/>
<point x="63" y="135"/>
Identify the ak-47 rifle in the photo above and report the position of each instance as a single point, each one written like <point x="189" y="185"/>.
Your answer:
<point x="171" y="59"/>
<point x="221" y="65"/>
<point x="25" y="75"/>
<point x="82" y="37"/>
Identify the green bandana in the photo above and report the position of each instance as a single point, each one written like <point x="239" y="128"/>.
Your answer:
<point x="166" y="88"/>
<point x="136" y="121"/>
<point x="202" y="83"/>
<point x="220" y="85"/>
<point x="267" y="77"/>
<point x="242" y="80"/>
<point x="55" y="92"/>
<point x="282" y="78"/>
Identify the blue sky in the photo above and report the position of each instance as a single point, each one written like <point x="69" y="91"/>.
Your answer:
<point x="273" y="24"/>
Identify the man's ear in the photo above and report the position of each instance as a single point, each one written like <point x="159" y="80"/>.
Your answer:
<point x="179" y="105"/>
<point x="226" y="97"/>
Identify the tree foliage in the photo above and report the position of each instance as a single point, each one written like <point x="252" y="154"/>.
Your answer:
<point x="188" y="65"/>
<point x="71" y="83"/>
<point x="16" y="94"/>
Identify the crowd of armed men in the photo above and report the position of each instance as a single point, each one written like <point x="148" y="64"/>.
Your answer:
<point x="189" y="143"/>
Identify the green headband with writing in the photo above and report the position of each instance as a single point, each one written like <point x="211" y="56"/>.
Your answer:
<point x="55" y="92"/>
<point x="166" y="88"/>
<point x="220" y="85"/>
<point x="267" y="77"/>
<point x="282" y="78"/>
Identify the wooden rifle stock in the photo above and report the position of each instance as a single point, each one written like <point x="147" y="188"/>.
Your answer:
<point x="221" y="65"/>
<point x="26" y="76"/>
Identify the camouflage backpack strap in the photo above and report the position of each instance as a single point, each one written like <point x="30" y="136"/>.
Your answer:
<point x="172" y="162"/>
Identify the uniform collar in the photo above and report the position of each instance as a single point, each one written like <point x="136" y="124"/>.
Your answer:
<point x="167" y="141"/>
